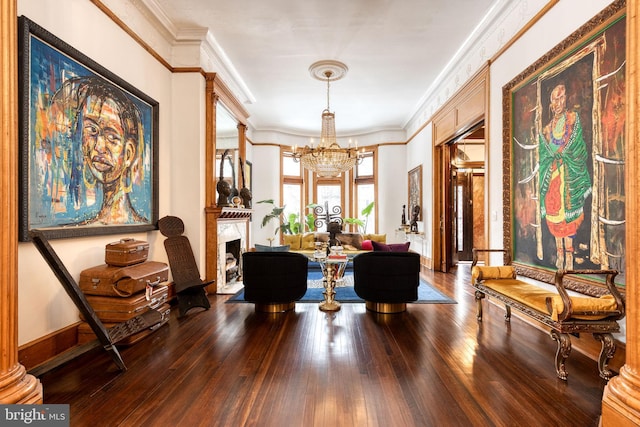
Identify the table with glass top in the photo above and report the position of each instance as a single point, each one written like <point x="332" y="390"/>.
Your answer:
<point x="332" y="270"/>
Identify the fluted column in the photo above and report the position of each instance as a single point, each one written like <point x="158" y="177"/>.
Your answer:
<point x="621" y="399"/>
<point x="15" y="385"/>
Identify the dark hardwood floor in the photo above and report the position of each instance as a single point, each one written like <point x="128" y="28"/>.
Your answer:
<point x="433" y="365"/>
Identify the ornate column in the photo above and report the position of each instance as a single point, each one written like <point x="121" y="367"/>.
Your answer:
<point x="15" y="385"/>
<point x="621" y="399"/>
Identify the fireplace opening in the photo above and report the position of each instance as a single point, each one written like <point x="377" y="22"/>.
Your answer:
<point x="233" y="270"/>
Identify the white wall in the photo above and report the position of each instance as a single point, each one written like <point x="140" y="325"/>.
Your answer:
<point x="187" y="157"/>
<point x="266" y="185"/>
<point x="392" y="189"/>
<point x="43" y="305"/>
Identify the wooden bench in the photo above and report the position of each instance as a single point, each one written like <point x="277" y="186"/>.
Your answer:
<point x="595" y="312"/>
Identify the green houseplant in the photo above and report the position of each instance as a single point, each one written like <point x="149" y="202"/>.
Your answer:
<point x="291" y="224"/>
<point x="361" y="224"/>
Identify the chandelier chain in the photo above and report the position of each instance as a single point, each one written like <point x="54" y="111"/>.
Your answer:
<point x="328" y="74"/>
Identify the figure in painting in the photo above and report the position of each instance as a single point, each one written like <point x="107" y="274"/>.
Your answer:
<point x="564" y="178"/>
<point x="107" y="124"/>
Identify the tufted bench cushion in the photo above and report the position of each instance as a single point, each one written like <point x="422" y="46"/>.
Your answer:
<point x="566" y="309"/>
<point x="502" y="279"/>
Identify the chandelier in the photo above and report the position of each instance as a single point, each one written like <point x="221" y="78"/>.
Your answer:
<point x="327" y="159"/>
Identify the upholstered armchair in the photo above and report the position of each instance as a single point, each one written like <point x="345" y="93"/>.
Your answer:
<point x="387" y="280"/>
<point x="274" y="281"/>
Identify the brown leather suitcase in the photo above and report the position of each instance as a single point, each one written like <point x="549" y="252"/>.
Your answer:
<point x="126" y="252"/>
<point x="110" y="280"/>
<point x="118" y="309"/>
<point x="85" y="333"/>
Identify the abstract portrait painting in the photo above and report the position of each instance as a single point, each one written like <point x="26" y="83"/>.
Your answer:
<point x="89" y="141"/>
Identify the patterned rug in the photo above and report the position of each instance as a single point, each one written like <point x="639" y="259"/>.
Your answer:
<point x="427" y="294"/>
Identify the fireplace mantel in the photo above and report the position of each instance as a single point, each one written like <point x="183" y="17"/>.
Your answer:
<point x="223" y="224"/>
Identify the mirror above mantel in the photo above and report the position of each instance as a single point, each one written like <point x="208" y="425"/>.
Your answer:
<point x="227" y="149"/>
<point x="226" y="126"/>
<point x="225" y="131"/>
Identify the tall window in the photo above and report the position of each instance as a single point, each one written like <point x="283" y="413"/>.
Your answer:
<point x="329" y="194"/>
<point x="365" y="191"/>
<point x="292" y="189"/>
<point x="350" y="195"/>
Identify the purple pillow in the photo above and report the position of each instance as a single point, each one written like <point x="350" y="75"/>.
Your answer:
<point x="392" y="247"/>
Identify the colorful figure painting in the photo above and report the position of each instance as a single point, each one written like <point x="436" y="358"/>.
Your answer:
<point x="90" y="146"/>
<point x="567" y="157"/>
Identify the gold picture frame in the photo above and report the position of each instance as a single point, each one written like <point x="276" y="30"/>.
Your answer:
<point x="415" y="191"/>
<point x="563" y="148"/>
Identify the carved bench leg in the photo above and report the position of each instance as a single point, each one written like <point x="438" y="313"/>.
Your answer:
<point x="607" y="351"/>
<point x="479" y="297"/>
<point x="507" y="314"/>
<point x="562" y="353"/>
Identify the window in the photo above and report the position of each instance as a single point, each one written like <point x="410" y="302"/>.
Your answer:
<point x="292" y="188"/>
<point x="365" y="191"/>
<point x="352" y="191"/>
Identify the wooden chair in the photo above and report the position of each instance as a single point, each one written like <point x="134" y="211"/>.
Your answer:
<point x="186" y="276"/>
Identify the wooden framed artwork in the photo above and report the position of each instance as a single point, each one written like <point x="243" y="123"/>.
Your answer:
<point x="563" y="145"/>
<point x="88" y="144"/>
<point x="415" y="192"/>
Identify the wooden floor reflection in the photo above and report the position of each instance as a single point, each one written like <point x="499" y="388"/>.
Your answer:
<point x="433" y="365"/>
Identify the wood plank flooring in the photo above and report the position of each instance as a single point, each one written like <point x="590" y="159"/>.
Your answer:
<point x="433" y="365"/>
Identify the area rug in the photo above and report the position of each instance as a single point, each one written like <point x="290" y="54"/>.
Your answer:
<point x="426" y="294"/>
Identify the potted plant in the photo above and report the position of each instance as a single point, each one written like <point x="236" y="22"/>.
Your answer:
<point x="361" y="224"/>
<point x="292" y="224"/>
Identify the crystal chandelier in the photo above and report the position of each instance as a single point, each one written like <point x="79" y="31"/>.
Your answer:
<point x="328" y="159"/>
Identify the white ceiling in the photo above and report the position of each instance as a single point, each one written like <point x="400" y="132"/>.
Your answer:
<point x="395" y="51"/>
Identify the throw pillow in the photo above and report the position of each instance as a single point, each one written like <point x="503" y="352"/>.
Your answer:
<point x="380" y="238"/>
<point x="265" y="248"/>
<point x="293" y="240"/>
<point x="367" y="245"/>
<point x="392" y="247"/>
<point x="308" y="241"/>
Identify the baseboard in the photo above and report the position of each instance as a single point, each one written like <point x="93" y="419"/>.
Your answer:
<point x="45" y="348"/>
<point x="426" y="263"/>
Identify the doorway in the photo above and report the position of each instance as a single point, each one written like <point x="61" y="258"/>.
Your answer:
<point x="465" y="186"/>
<point x="468" y="212"/>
